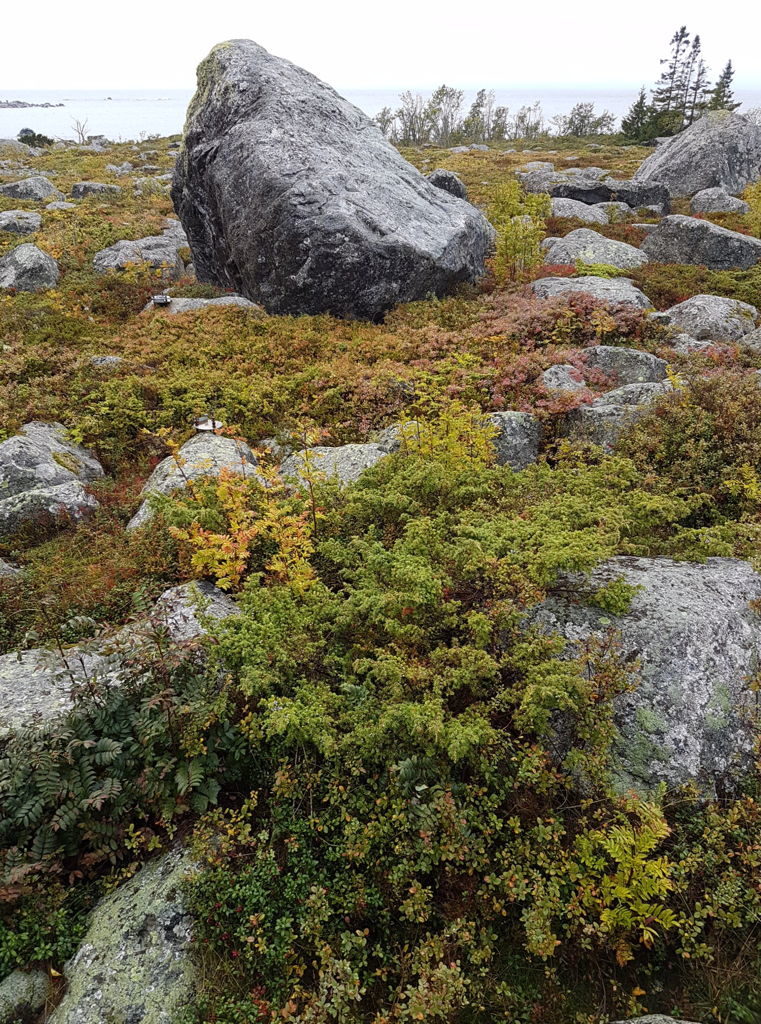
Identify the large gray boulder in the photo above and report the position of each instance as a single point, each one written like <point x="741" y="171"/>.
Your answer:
<point x="614" y="290"/>
<point x="626" y="365"/>
<point x="681" y="239"/>
<point x="345" y="463"/>
<point x="697" y="638"/>
<point x="134" y="963"/>
<point x="292" y="197"/>
<point x="721" y="149"/>
<point x="204" y="455"/>
<point x="587" y="246"/>
<point x="20" y="222"/>
<point x="42" y="477"/>
<point x="604" y="420"/>
<point x="28" y="269"/>
<point x="36" y="684"/>
<point x="159" y="252"/>
<point x="714" y="318"/>
<point x="717" y="200"/>
<point x="35" y="188"/>
<point x="581" y="211"/>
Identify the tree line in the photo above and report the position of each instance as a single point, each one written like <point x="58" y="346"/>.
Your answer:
<point x="443" y="120"/>
<point x="682" y="94"/>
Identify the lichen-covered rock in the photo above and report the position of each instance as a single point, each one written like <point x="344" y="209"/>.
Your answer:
<point x="587" y="246"/>
<point x="160" y="252"/>
<point x="721" y="149"/>
<point x="751" y="341"/>
<point x="292" y="197"/>
<point x="714" y="318"/>
<point x="61" y="205"/>
<point x="345" y="463"/>
<point x="563" y="377"/>
<point x="681" y="239"/>
<point x="518" y="438"/>
<point x="20" y="222"/>
<point x="204" y="455"/>
<point x="604" y="420"/>
<point x="8" y="571"/>
<point x="717" y="200"/>
<point x="697" y="639"/>
<point x="134" y="963"/>
<point x="36" y="684"/>
<point x="42" y="473"/>
<point x="449" y="181"/>
<point x="581" y="211"/>
<point x="23" y="995"/>
<point x="94" y="188"/>
<point x="614" y="290"/>
<point x="626" y="365"/>
<point x="28" y="269"/>
<point x="35" y="188"/>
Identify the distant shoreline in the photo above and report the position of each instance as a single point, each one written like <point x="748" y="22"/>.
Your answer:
<point x="23" y="105"/>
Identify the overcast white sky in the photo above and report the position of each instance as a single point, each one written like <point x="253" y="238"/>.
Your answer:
<point x="392" y="43"/>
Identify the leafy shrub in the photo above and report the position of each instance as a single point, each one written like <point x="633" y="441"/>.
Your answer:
<point x="518" y="218"/>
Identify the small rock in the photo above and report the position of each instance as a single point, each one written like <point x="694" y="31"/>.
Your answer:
<point x="37" y="187"/>
<point x="8" y="571"/>
<point x="449" y="181"/>
<point x="751" y="341"/>
<point x="20" y="222"/>
<point x="119" y="170"/>
<point x="717" y="200"/>
<point x="94" y="188"/>
<point x="518" y="438"/>
<point x="614" y="290"/>
<point x="106" y="362"/>
<point x="156" y="251"/>
<point x="28" y="269"/>
<point x="714" y="318"/>
<point x="563" y="377"/>
<point x="187" y="305"/>
<point x="23" y="995"/>
<point x="61" y="205"/>
<point x="685" y="344"/>
<point x="616" y="211"/>
<point x="604" y="420"/>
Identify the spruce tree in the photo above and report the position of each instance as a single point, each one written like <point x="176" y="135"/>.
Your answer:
<point x="721" y="96"/>
<point x="638" y="123"/>
<point x="669" y="90"/>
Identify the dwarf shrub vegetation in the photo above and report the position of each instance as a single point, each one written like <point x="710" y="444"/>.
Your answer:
<point x="397" y="788"/>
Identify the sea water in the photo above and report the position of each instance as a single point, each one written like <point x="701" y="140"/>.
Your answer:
<point x="137" y="114"/>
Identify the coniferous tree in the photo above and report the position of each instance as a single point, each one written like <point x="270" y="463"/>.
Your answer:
<point x="721" y="96"/>
<point x="638" y="123"/>
<point x="669" y="90"/>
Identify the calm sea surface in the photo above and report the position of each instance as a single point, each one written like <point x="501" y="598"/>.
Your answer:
<point x="122" y="115"/>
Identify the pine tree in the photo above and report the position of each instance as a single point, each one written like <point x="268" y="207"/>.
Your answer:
<point x="721" y="96"/>
<point x="638" y="123"/>
<point x="669" y="90"/>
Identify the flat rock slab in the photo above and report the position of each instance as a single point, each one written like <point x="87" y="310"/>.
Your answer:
<point x="581" y="211"/>
<point x="344" y="463"/>
<point x="36" y="685"/>
<point x="613" y="290"/>
<point x="604" y="420"/>
<point x="626" y="365"/>
<point x="697" y="640"/>
<point x="94" y="188"/>
<point x="587" y="246"/>
<point x="717" y="200"/>
<point x="681" y="239"/>
<point x="180" y="305"/>
<point x="591" y="190"/>
<point x="159" y="252"/>
<point x="721" y="149"/>
<point x="292" y="197"/>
